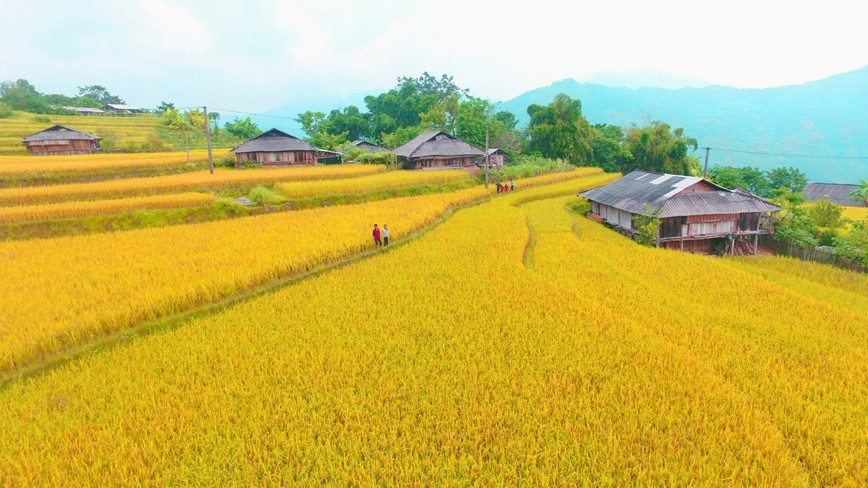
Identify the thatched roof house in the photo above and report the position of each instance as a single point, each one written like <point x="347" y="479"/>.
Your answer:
<point x="695" y="214"/>
<point x="277" y="148"/>
<point x="371" y="147"/>
<point x="437" y="149"/>
<point x="838" y="193"/>
<point x="59" y="140"/>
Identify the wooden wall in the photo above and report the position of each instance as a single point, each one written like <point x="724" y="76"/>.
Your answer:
<point x="445" y="162"/>
<point x="285" y="158"/>
<point x="61" y="147"/>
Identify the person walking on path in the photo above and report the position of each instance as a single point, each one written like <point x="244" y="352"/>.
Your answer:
<point x="511" y="184"/>
<point x="377" y="240"/>
<point x="385" y="235"/>
<point x="498" y="185"/>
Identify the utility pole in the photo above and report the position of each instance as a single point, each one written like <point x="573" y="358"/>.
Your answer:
<point x="208" y="140"/>
<point x="705" y="173"/>
<point x="486" y="155"/>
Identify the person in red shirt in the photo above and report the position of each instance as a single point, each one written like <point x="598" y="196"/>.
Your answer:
<point x="377" y="240"/>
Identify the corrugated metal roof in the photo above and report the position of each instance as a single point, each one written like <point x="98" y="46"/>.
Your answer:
<point x="85" y="110"/>
<point x="714" y="202"/>
<point x="60" y="132"/>
<point x="273" y="141"/>
<point x="836" y="192"/>
<point x="642" y="192"/>
<point x="122" y="106"/>
<point x="437" y="143"/>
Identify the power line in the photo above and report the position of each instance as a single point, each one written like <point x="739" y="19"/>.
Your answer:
<point x="253" y="114"/>
<point x="785" y="154"/>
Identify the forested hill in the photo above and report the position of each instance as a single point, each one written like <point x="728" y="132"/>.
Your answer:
<point x="828" y="117"/>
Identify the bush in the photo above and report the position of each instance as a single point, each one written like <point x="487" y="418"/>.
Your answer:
<point x="379" y="157"/>
<point x="527" y="166"/>
<point x="265" y="195"/>
<point x="5" y="112"/>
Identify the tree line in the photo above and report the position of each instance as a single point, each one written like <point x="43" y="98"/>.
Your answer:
<point x="22" y="95"/>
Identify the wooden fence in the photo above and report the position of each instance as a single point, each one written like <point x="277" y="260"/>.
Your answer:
<point x="825" y="255"/>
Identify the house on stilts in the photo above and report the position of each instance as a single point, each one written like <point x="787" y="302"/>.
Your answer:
<point x="695" y="214"/>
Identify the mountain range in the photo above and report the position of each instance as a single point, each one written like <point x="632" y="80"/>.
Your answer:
<point x="820" y="127"/>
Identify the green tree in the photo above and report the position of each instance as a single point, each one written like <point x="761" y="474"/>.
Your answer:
<point x="607" y="147"/>
<point x="21" y="95"/>
<point x="560" y="131"/>
<point x="659" y="148"/>
<point x="854" y="244"/>
<point x="647" y="225"/>
<point x="161" y="109"/>
<point x="789" y="179"/>
<point x="860" y="194"/>
<point x="243" y="128"/>
<point x="98" y="93"/>
<point x="750" y="179"/>
<point x="826" y="213"/>
<point x="797" y="227"/>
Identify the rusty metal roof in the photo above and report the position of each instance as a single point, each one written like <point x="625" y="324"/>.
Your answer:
<point x="838" y="193"/>
<point x="643" y="192"/>
<point x="273" y="141"/>
<point x="715" y="202"/>
<point x="60" y="132"/>
<point x="433" y="143"/>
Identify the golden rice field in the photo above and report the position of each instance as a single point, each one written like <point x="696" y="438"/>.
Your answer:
<point x="64" y="291"/>
<point x="127" y="129"/>
<point x="98" y="163"/>
<point x="515" y="344"/>
<point x="68" y="210"/>
<point x="176" y="183"/>
<point x="859" y="214"/>
<point x="391" y="179"/>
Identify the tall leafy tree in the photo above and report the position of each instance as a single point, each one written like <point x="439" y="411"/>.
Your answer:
<point x="789" y="179"/>
<point x="559" y="130"/>
<point x="659" y="148"/>
<point x="98" y="93"/>
<point x="244" y="128"/>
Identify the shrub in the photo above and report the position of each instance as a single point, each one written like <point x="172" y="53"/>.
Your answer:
<point x="265" y="195"/>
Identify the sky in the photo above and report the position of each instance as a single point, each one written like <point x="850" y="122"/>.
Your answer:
<point x="257" y="55"/>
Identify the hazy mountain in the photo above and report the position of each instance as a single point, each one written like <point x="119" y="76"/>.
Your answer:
<point x="283" y="116"/>
<point x="828" y="117"/>
<point x="644" y="79"/>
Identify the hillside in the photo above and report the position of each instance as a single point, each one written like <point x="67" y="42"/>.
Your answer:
<point x="825" y="117"/>
<point x="122" y="131"/>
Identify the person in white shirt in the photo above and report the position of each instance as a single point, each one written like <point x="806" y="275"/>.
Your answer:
<point x="385" y="235"/>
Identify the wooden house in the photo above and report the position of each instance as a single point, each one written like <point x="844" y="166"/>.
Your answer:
<point x="496" y="157"/>
<point x="277" y="148"/>
<point x="59" y="140"/>
<point x="369" y="146"/>
<point x="696" y="215"/>
<point x="436" y="149"/>
<point x="838" y="193"/>
<point x="122" y="109"/>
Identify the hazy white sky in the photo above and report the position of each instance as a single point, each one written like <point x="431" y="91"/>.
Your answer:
<point x="256" y="55"/>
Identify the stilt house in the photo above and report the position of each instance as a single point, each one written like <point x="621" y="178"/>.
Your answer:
<point x="277" y="148"/>
<point x="60" y="140"/>
<point x="696" y="215"/>
<point x="436" y="149"/>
